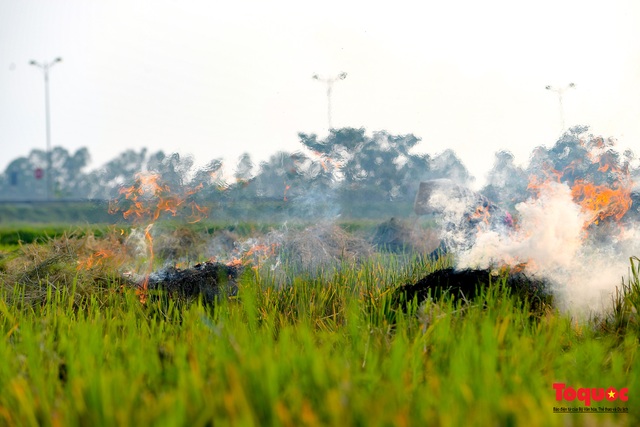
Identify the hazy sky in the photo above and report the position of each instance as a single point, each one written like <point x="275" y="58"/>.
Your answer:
<point x="216" y="79"/>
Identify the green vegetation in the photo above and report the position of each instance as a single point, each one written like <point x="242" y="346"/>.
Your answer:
<point x="14" y="235"/>
<point x="328" y="348"/>
<point x="56" y="212"/>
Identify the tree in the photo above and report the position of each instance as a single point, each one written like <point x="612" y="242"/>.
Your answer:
<point x="244" y="185"/>
<point x="277" y="176"/>
<point x="244" y="169"/>
<point x="506" y="182"/>
<point x="173" y="170"/>
<point x="448" y="165"/>
<point x="379" y="166"/>
<point x="67" y="172"/>
<point x="579" y="155"/>
<point x="22" y="182"/>
<point x="105" y="182"/>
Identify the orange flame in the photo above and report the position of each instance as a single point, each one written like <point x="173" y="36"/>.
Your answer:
<point x="95" y="259"/>
<point x="257" y="253"/>
<point x="107" y="251"/>
<point x="142" y="293"/>
<point x="550" y="175"/>
<point x="235" y="263"/>
<point x="599" y="201"/>
<point x="328" y="162"/>
<point x="286" y="188"/>
<point x="481" y="215"/>
<point x="147" y="198"/>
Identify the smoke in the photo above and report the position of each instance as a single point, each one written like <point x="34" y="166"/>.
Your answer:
<point x="569" y="218"/>
<point x="550" y="242"/>
<point x="548" y="234"/>
<point x="137" y="243"/>
<point x="459" y="212"/>
<point x="575" y="227"/>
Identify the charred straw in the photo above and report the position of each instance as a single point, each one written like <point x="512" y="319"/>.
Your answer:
<point x="469" y="284"/>
<point x="208" y="280"/>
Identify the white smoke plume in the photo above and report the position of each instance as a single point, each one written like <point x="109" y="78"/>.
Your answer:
<point x="551" y="240"/>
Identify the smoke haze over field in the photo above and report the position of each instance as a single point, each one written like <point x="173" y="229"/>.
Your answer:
<point x="217" y="81"/>
<point x="456" y="89"/>
<point x="551" y="241"/>
<point x="572" y="219"/>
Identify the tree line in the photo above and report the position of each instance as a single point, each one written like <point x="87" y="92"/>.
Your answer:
<point x="347" y="163"/>
<point x="349" y="167"/>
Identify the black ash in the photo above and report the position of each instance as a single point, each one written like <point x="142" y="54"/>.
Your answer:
<point x="468" y="284"/>
<point x="207" y="280"/>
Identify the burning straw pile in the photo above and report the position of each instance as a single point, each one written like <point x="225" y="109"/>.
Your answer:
<point x="573" y="225"/>
<point x="569" y="233"/>
<point x="78" y="264"/>
<point x="85" y="265"/>
<point x="467" y="284"/>
<point x="207" y="280"/>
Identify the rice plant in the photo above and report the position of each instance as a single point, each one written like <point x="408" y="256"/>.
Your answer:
<point x="326" y="347"/>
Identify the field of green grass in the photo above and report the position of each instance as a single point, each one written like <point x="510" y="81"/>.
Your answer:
<point x="296" y="348"/>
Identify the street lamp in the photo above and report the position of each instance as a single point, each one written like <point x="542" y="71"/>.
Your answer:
<point x="329" y="81"/>
<point x="45" y="67"/>
<point x="560" y="92"/>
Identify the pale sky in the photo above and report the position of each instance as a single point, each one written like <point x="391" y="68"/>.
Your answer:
<point x="216" y="79"/>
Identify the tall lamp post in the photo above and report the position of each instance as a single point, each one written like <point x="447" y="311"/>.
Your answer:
<point x="560" y="91"/>
<point x="329" y="81"/>
<point x="45" y="67"/>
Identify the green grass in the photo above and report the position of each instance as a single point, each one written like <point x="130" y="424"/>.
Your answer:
<point x="320" y="351"/>
<point x="56" y="211"/>
<point x="225" y="209"/>
<point x="16" y="234"/>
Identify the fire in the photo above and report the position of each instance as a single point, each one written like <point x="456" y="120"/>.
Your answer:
<point x="550" y="175"/>
<point x="574" y="227"/>
<point x="286" y="189"/>
<point x="197" y="213"/>
<point x="105" y="252"/>
<point x="481" y="215"/>
<point x="258" y="253"/>
<point x="327" y="162"/>
<point x="148" y="198"/>
<point x="261" y="249"/>
<point x="601" y="201"/>
<point x="235" y="263"/>
<point x="95" y="259"/>
<point x="604" y="189"/>
<point x="145" y="201"/>
<point x="142" y="293"/>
